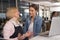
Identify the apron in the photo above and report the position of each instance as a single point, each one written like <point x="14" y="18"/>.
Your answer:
<point x="18" y="29"/>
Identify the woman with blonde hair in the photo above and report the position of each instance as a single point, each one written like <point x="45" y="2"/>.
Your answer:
<point x="12" y="29"/>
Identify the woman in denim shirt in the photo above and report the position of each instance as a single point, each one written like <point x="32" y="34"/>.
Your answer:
<point x="33" y="24"/>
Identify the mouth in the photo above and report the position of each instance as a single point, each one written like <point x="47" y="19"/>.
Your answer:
<point x="31" y="16"/>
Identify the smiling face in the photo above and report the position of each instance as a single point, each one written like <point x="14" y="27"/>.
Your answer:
<point x="32" y="11"/>
<point x="16" y="14"/>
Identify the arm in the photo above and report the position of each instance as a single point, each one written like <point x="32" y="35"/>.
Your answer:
<point x="38" y="26"/>
<point x="25" y="27"/>
<point x="44" y="33"/>
<point x="7" y="30"/>
<point x="27" y="34"/>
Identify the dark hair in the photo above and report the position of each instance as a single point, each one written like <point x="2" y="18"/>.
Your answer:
<point x="34" y="6"/>
<point x="52" y="14"/>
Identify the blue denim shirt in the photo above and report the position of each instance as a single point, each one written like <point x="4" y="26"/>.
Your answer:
<point x="36" y="26"/>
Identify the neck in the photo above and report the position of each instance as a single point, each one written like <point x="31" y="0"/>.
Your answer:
<point x="32" y="18"/>
<point x="15" y="19"/>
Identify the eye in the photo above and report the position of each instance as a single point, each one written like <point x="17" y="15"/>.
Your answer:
<point x="31" y="10"/>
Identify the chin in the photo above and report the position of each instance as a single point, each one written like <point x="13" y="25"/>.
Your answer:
<point x="31" y="15"/>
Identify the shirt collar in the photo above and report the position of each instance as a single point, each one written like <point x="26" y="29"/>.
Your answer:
<point x="16" y="24"/>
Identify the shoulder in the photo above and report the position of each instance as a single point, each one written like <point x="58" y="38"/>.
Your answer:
<point x="27" y="20"/>
<point x="8" y="24"/>
<point x="38" y="18"/>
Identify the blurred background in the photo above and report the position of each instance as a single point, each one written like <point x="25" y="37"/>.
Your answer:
<point x="46" y="7"/>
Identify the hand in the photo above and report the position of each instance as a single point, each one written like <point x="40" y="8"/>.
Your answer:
<point x="28" y="34"/>
<point x="19" y="35"/>
<point x="23" y="36"/>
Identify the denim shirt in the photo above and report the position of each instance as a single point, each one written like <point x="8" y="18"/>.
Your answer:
<point x="36" y="26"/>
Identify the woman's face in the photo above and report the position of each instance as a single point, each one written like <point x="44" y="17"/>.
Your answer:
<point x="32" y="11"/>
<point x="17" y="14"/>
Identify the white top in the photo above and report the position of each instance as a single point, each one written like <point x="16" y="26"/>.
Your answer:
<point x="8" y="29"/>
<point x="30" y="29"/>
<point x="55" y="26"/>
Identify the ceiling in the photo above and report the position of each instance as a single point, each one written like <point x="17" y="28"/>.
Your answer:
<point x="44" y="0"/>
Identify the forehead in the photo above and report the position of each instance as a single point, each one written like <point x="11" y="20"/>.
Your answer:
<point x="31" y="8"/>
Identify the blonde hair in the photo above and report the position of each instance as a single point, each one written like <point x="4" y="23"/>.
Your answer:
<point x="10" y="12"/>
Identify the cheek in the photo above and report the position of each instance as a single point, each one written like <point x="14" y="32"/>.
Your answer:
<point x="34" y="13"/>
<point x="30" y="13"/>
<point x="17" y="15"/>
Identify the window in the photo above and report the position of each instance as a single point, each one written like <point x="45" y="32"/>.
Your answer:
<point x="4" y="4"/>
